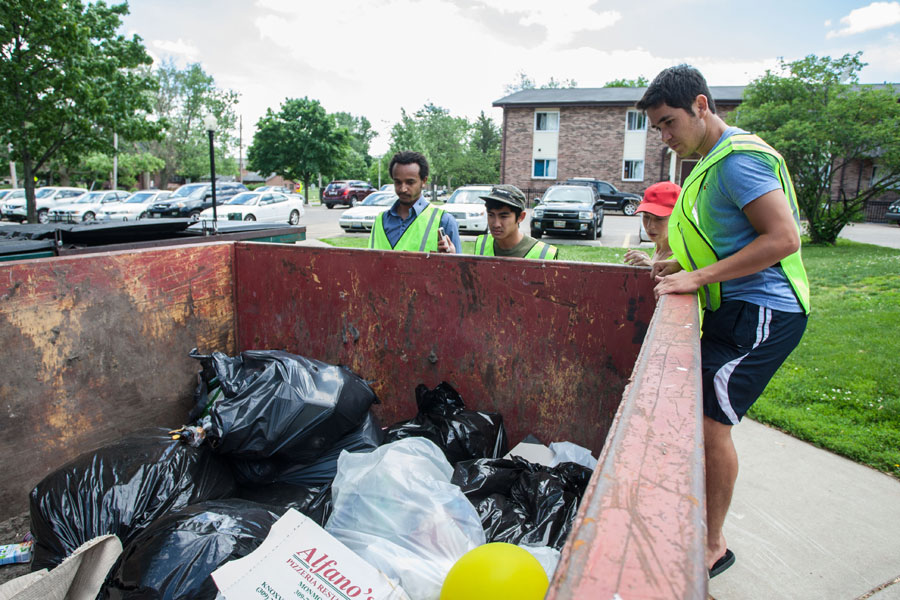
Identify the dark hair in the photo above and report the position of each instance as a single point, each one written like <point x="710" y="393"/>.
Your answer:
<point x="490" y="204"/>
<point x="678" y="87"/>
<point x="407" y="157"/>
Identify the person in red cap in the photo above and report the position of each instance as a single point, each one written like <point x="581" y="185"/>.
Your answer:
<point x="659" y="199"/>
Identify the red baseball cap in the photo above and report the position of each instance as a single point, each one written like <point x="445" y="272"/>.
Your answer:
<point x="659" y="199"/>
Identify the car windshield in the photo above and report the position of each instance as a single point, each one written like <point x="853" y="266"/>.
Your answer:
<point x="44" y="192"/>
<point x="188" y="190"/>
<point x="90" y="198"/>
<point x="140" y="198"/>
<point x="467" y="197"/>
<point x="573" y="195"/>
<point x="247" y="199"/>
<point x="379" y="200"/>
<point x="15" y="194"/>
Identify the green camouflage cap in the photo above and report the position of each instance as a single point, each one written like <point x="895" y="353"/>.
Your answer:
<point x="507" y="194"/>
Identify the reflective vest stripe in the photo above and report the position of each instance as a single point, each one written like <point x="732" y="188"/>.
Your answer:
<point x="434" y="213"/>
<point x="484" y="239"/>
<point x="417" y="236"/>
<point x="539" y="251"/>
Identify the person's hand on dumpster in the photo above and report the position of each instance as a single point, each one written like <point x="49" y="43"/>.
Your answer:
<point x="446" y="245"/>
<point x="680" y="282"/>
<point x="662" y="268"/>
<point x="637" y="258"/>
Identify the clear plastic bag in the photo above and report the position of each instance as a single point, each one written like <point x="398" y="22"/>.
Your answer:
<point x="397" y="509"/>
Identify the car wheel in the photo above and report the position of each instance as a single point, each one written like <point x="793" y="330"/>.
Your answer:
<point x="43" y="216"/>
<point x="89" y="216"/>
<point x="352" y="201"/>
<point x="592" y="234"/>
<point x="537" y="234"/>
<point x="195" y="215"/>
<point x="143" y="215"/>
<point x="249" y="218"/>
<point x="630" y="207"/>
<point x="329" y="205"/>
<point x="294" y="218"/>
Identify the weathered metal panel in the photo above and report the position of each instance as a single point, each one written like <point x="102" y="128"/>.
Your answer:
<point x="92" y="347"/>
<point x="549" y="345"/>
<point x="640" y="532"/>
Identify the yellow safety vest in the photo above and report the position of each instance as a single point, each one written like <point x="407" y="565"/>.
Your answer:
<point x="418" y="237"/>
<point x="484" y="246"/>
<point x="691" y="245"/>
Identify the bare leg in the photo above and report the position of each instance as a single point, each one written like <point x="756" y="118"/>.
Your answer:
<point x="721" y="473"/>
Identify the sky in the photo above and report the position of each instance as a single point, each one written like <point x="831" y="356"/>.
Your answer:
<point x="373" y="58"/>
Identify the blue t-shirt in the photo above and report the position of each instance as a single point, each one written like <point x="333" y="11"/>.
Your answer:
<point x="394" y="226"/>
<point x="730" y="185"/>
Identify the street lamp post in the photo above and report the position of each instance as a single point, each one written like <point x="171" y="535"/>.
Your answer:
<point x="209" y="123"/>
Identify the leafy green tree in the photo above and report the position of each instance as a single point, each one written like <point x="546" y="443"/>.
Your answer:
<point x="524" y="82"/>
<point x="68" y="80"/>
<point x="815" y="113"/>
<point x="641" y="81"/>
<point x="436" y="134"/>
<point x="96" y="168"/>
<point x="482" y="157"/>
<point x="298" y="142"/>
<point x="356" y="160"/>
<point x="184" y="98"/>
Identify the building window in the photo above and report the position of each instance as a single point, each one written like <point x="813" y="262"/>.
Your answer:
<point x="633" y="170"/>
<point x="546" y="121"/>
<point x="635" y="120"/>
<point x="545" y="168"/>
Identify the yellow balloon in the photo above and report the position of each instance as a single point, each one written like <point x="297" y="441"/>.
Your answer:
<point x="496" y="571"/>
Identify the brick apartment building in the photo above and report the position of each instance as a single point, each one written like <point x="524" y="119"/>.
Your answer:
<point x="550" y="135"/>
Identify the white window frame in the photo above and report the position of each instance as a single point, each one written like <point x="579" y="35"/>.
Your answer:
<point x="639" y="116"/>
<point x="633" y="160"/>
<point x="546" y="112"/>
<point x="547" y="169"/>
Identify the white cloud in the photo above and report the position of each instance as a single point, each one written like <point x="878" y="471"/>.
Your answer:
<point x="874" y="16"/>
<point x="179" y="48"/>
<point x="827" y="22"/>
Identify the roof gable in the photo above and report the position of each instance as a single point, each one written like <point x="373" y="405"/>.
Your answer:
<point x="610" y="96"/>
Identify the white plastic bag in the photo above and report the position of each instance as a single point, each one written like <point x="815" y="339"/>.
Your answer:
<point x="397" y="509"/>
<point x="569" y="452"/>
<point x="547" y="556"/>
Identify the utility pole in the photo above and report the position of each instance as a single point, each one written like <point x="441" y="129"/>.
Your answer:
<point x="115" y="181"/>
<point x="12" y="167"/>
<point x="241" y="148"/>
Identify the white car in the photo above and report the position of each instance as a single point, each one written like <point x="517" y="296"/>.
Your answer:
<point x="466" y="205"/>
<point x="134" y="207"/>
<point x="45" y="198"/>
<point x="265" y="207"/>
<point x="10" y="202"/>
<point x="86" y="208"/>
<point x="362" y="216"/>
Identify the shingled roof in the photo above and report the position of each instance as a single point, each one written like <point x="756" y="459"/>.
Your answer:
<point x="608" y="96"/>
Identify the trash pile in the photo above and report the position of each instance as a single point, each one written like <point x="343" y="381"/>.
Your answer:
<point x="274" y="436"/>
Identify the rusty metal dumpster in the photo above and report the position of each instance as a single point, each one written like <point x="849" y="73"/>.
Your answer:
<point x="97" y="345"/>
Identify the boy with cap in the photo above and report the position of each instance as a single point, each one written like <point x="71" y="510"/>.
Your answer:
<point x="659" y="199"/>
<point x="505" y="206"/>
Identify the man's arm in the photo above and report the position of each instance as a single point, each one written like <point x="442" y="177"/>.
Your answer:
<point x="771" y="217"/>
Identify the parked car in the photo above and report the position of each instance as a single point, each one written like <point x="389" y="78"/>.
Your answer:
<point x="388" y="187"/>
<point x="893" y="212"/>
<point x="10" y="201"/>
<point x="362" y="216"/>
<point x="4" y="194"/>
<point x="45" y="198"/>
<point x="281" y="189"/>
<point x="193" y="198"/>
<point x="134" y="207"/>
<point x="613" y="199"/>
<point x="345" y="191"/>
<point x="466" y="205"/>
<point x="86" y="208"/>
<point x="265" y="207"/>
<point x="568" y="209"/>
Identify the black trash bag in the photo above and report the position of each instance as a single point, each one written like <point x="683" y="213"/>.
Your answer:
<point x="174" y="557"/>
<point x="520" y="502"/>
<point x="322" y="470"/>
<point x="278" y="404"/>
<point x="120" y="489"/>
<point x="442" y="418"/>
<point x="314" y="502"/>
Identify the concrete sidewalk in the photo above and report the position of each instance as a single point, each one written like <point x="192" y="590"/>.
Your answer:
<point x="808" y="524"/>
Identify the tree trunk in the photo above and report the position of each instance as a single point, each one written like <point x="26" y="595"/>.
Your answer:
<point x="306" y="189"/>
<point x="30" y="205"/>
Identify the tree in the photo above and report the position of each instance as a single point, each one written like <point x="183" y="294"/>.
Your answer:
<point x="815" y="113"/>
<point x="436" y="134"/>
<point x="68" y="80"/>
<point x="356" y="160"/>
<point x="482" y="157"/>
<point x="524" y="82"/>
<point x="184" y="98"/>
<point x="641" y="81"/>
<point x="298" y="142"/>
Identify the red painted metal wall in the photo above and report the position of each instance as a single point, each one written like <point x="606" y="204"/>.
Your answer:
<point x="550" y="346"/>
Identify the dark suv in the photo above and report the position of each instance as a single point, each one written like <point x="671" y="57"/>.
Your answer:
<point x="613" y="199"/>
<point x="345" y="191"/>
<point x="192" y="198"/>
<point x="568" y="209"/>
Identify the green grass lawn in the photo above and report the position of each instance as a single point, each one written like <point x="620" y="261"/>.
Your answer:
<point x="840" y="389"/>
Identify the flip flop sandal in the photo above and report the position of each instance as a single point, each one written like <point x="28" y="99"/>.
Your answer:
<point x="722" y="564"/>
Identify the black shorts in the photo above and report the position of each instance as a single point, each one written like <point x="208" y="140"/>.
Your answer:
<point x="742" y="347"/>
